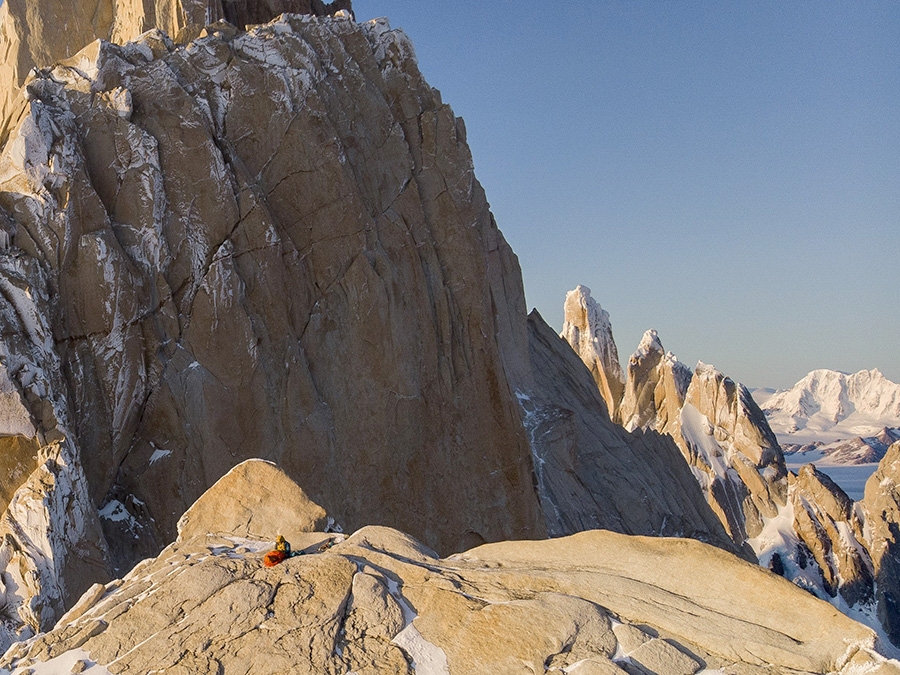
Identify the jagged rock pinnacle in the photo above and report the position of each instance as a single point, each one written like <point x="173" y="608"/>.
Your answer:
<point x="588" y="329"/>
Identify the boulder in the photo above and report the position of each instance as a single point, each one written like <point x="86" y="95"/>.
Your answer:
<point x="255" y="500"/>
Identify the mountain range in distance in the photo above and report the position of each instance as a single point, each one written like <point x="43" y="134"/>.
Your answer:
<point x="834" y="418"/>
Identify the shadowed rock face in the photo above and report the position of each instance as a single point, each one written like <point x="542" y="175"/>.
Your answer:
<point x="591" y="473"/>
<point x="243" y="12"/>
<point x="882" y="506"/>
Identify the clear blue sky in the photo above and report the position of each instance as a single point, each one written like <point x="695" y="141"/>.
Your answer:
<point x="725" y="172"/>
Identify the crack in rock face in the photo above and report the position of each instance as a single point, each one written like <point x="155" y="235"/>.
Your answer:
<point x="185" y="288"/>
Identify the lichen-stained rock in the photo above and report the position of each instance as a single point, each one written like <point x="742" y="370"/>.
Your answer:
<point x="881" y="504"/>
<point x="326" y="289"/>
<point x="379" y="602"/>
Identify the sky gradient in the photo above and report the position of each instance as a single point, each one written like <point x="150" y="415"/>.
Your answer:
<point x="726" y="173"/>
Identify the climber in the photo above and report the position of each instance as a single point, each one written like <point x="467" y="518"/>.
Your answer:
<point x="282" y="544"/>
<point x="281" y="553"/>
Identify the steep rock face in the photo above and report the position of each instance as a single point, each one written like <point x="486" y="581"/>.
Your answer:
<point x="882" y="507"/>
<point x="736" y="457"/>
<point x="328" y="289"/>
<point x="588" y="330"/>
<point x="51" y="544"/>
<point x="33" y="34"/>
<point x="272" y="244"/>
<point x="826" y="522"/>
<point x="590" y="472"/>
<point x="380" y="602"/>
<point x="655" y="389"/>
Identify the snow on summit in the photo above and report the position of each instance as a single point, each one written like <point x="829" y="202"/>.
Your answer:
<point x="830" y="404"/>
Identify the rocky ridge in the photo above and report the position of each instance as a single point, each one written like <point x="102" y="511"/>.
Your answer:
<point x="716" y="424"/>
<point x="591" y="473"/>
<point x="380" y="602"/>
<point x="803" y="526"/>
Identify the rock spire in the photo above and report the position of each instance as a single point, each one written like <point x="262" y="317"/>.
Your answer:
<point x="588" y="329"/>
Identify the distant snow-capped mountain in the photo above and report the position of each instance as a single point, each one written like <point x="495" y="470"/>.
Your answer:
<point x="828" y="405"/>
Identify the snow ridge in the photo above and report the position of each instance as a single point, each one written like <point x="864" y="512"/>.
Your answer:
<point x="841" y="404"/>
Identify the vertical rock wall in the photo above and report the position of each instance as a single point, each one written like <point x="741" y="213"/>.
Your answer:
<point x="267" y="244"/>
<point x="273" y="244"/>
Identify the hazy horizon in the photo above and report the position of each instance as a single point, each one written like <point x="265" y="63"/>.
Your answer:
<point x="725" y="174"/>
